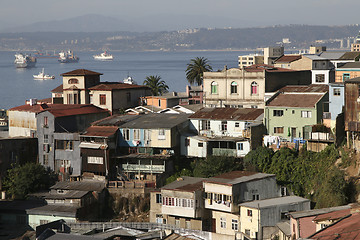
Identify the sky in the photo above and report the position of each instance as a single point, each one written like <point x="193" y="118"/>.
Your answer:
<point x="226" y="13"/>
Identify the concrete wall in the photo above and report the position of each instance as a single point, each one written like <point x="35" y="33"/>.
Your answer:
<point x="34" y="220"/>
<point x="22" y="124"/>
<point x="215" y="127"/>
<point x="190" y="212"/>
<point x="227" y="227"/>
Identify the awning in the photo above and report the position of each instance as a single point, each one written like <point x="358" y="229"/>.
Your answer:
<point x="93" y="145"/>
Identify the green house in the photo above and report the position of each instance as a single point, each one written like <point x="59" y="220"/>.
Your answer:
<point x="289" y="115"/>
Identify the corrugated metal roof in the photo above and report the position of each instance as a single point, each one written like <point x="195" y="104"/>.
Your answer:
<point x="267" y="68"/>
<point x="101" y="131"/>
<point x="76" y="109"/>
<point x="332" y="215"/>
<point x="331" y="55"/>
<point x="314" y="57"/>
<point x="274" y="202"/>
<point x="314" y="212"/>
<point x="349" y="56"/>
<point x="85" y="185"/>
<point x="115" y="120"/>
<point x="296" y="100"/>
<point x="80" y="72"/>
<point x="185" y="183"/>
<point x="347" y="228"/>
<point x="54" y="209"/>
<point x="236" y="177"/>
<point x="353" y="80"/>
<point x="156" y="121"/>
<point x="234" y="114"/>
<point x="321" y="88"/>
<point x="352" y="65"/>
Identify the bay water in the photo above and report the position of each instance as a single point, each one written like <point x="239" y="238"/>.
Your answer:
<point x="18" y="85"/>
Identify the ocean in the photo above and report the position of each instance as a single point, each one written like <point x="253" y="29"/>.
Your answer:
<point x="18" y="85"/>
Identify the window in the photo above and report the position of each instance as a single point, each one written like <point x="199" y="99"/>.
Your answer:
<point x="91" y="98"/>
<point x="278" y="129"/>
<point x="102" y="99"/>
<point x="95" y="160"/>
<point x="346" y="76"/>
<point x="126" y="134"/>
<point x="159" y="102"/>
<point x="136" y="134"/>
<point x="233" y="87"/>
<point x="247" y="232"/>
<point x="161" y="135"/>
<point x="240" y="146"/>
<point x="278" y="113"/>
<point x="70" y="99"/>
<point x="237" y="124"/>
<point x="45" y="159"/>
<point x="306" y="114"/>
<point x="73" y="81"/>
<point x="214" y="88"/>
<point x="240" y="106"/>
<point x="46" y="138"/>
<point x="128" y="97"/>
<point x="45" y="121"/>
<point x="223" y="125"/>
<point x="255" y="197"/>
<point x="205" y="124"/>
<point x="320" y="78"/>
<point x="187" y="142"/>
<point x="249" y="213"/>
<point x="337" y="92"/>
<point x="234" y="224"/>
<point x="158" y="198"/>
<point x="200" y="144"/>
<point x="46" y="148"/>
<point x="254" y="106"/>
<point x="223" y="222"/>
<point x="254" y="88"/>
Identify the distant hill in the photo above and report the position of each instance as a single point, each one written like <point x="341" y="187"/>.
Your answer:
<point x="86" y="23"/>
<point x="300" y="36"/>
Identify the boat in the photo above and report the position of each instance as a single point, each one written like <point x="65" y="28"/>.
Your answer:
<point x="103" y="56"/>
<point x="24" y="60"/>
<point x="68" y="57"/>
<point x="42" y="75"/>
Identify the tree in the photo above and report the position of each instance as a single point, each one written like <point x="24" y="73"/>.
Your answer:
<point x="215" y="165"/>
<point x="28" y="178"/>
<point x="195" y="70"/>
<point x="157" y="86"/>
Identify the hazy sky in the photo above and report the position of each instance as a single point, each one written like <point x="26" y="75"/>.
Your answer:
<point x="234" y="13"/>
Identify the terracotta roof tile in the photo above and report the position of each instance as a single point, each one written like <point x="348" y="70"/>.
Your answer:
<point x="80" y="72"/>
<point x="58" y="89"/>
<point x="228" y="114"/>
<point x="108" y="86"/>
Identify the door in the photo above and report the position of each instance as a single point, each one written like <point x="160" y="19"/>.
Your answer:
<point x="293" y="133"/>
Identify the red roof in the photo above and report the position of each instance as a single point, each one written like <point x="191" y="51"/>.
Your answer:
<point x="321" y="88"/>
<point x="58" y="89"/>
<point x="288" y="58"/>
<point x="80" y="72"/>
<point x="109" y="86"/>
<point x="347" y="228"/>
<point x="267" y="68"/>
<point x="101" y="131"/>
<point x="60" y="109"/>
<point x="332" y="215"/>
<point x="76" y="109"/>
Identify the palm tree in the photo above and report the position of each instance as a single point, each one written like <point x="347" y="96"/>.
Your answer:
<point x="157" y="86"/>
<point x="195" y="70"/>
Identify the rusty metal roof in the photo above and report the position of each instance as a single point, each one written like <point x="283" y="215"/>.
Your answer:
<point x="76" y="109"/>
<point x="296" y="100"/>
<point x="80" y="72"/>
<point x="350" y="56"/>
<point x="235" y="114"/>
<point x="346" y="228"/>
<point x="267" y="68"/>
<point x="288" y="58"/>
<point x="100" y="131"/>
<point x="185" y="183"/>
<point x="321" y="88"/>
